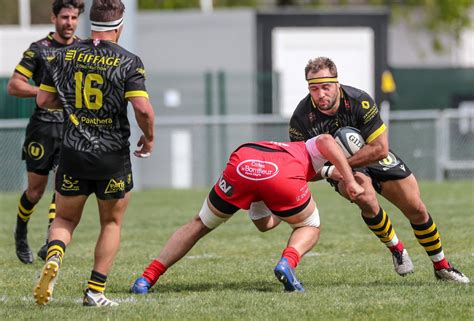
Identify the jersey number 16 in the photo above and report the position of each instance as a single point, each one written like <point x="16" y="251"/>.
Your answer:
<point x="92" y="96"/>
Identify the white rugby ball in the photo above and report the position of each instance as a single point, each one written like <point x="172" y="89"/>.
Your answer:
<point x="349" y="139"/>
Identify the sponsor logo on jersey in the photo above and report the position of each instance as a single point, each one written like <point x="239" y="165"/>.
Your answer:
<point x="96" y="121"/>
<point x="257" y="170"/>
<point x="115" y="186"/>
<point x="35" y="150"/>
<point x="29" y="54"/>
<point x="141" y="71"/>
<point x="389" y="162"/>
<point x="70" y="55"/>
<point x="69" y="184"/>
<point x="225" y="187"/>
<point x="91" y="58"/>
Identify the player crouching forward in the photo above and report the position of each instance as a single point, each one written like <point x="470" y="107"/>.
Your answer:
<point x="276" y="175"/>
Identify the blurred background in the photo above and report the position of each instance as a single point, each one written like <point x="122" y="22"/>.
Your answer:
<point x="223" y="72"/>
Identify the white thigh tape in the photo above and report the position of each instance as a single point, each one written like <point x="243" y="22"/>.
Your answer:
<point x="210" y="219"/>
<point x="312" y="220"/>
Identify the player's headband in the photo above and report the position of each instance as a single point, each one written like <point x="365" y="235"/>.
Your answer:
<point x="106" y="26"/>
<point x="322" y="80"/>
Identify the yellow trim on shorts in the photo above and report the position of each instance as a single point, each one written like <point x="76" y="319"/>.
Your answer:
<point x="376" y="133"/>
<point x="47" y="88"/>
<point x="136" y="93"/>
<point x="24" y="71"/>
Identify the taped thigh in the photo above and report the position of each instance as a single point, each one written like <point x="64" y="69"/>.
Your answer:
<point x="312" y="220"/>
<point x="210" y="219"/>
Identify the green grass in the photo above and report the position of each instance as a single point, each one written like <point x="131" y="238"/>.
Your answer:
<point x="229" y="274"/>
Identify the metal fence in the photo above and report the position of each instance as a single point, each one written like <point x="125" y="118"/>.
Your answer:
<point x="192" y="151"/>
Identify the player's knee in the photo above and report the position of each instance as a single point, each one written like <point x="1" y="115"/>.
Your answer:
<point x="208" y="218"/>
<point x="419" y="208"/>
<point x="312" y="220"/>
<point x="34" y="194"/>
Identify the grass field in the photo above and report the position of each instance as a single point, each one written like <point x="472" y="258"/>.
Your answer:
<point x="229" y="274"/>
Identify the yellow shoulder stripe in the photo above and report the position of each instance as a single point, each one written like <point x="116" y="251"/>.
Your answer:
<point x="376" y="133"/>
<point x="48" y="88"/>
<point x="25" y="72"/>
<point x="136" y="93"/>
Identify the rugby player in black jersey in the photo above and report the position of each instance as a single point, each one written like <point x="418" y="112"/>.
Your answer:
<point x="44" y="131"/>
<point x="93" y="81"/>
<point x="329" y="106"/>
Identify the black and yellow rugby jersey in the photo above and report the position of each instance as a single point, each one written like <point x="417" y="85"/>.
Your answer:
<point x="356" y="109"/>
<point x="32" y="66"/>
<point x="93" y="80"/>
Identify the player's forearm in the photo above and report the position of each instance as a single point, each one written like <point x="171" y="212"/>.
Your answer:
<point x="47" y="100"/>
<point x="146" y="121"/>
<point x="21" y="89"/>
<point x="367" y="155"/>
<point x="333" y="153"/>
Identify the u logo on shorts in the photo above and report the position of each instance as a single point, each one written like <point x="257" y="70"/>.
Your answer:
<point x="35" y="150"/>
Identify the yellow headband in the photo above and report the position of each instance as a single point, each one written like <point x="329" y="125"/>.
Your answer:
<point x="323" y="80"/>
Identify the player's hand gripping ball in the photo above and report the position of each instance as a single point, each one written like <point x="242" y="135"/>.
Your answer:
<point x="349" y="139"/>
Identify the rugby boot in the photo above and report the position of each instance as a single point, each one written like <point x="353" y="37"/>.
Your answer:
<point x="23" y="251"/>
<point x="452" y="275"/>
<point x="402" y="262"/>
<point x="286" y="275"/>
<point x="96" y="299"/>
<point x="43" y="251"/>
<point x="43" y="291"/>
<point x="140" y="286"/>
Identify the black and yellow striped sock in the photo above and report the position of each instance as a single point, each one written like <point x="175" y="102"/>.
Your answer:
<point x="25" y="209"/>
<point x="383" y="229"/>
<point x="427" y="235"/>
<point x="97" y="282"/>
<point x="52" y="211"/>
<point x="56" y="247"/>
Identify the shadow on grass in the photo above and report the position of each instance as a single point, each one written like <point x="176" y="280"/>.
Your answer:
<point x="177" y="287"/>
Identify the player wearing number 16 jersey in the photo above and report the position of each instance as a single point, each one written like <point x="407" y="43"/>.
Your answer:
<point x="93" y="81"/>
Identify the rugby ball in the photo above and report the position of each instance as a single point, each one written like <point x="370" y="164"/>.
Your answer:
<point x="349" y="139"/>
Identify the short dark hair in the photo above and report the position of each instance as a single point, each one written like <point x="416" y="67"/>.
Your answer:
<point x="60" y="4"/>
<point x="106" y="10"/>
<point x="320" y="63"/>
